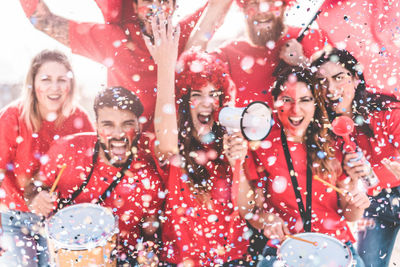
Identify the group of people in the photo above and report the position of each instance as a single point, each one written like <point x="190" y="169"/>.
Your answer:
<point x="160" y="160"/>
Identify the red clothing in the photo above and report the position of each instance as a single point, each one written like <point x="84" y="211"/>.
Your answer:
<point x="251" y="67"/>
<point x="136" y="196"/>
<point x="281" y="198"/>
<point x="22" y="150"/>
<point x="197" y="230"/>
<point x="121" y="48"/>
<point x="384" y="144"/>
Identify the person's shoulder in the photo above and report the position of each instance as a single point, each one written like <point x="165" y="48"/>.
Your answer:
<point x="11" y="110"/>
<point x="77" y="142"/>
<point x="272" y="141"/>
<point x="234" y="44"/>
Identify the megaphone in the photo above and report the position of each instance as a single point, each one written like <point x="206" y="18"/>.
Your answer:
<point x="254" y="121"/>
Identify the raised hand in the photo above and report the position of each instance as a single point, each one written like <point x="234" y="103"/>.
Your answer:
<point x="164" y="47"/>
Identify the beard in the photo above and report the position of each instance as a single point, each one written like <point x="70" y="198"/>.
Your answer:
<point x="106" y="147"/>
<point x="261" y="37"/>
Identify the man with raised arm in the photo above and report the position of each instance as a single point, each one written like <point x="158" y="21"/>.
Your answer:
<point x="118" y="44"/>
<point x="252" y="60"/>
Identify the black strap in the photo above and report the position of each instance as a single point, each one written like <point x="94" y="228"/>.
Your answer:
<point x="117" y="178"/>
<point x="68" y="201"/>
<point x="304" y="213"/>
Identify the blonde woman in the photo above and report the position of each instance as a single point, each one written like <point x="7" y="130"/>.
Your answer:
<point x="45" y="112"/>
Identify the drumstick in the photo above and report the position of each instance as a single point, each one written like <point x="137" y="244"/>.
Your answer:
<point x="57" y="179"/>
<point x="340" y="191"/>
<point x="315" y="243"/>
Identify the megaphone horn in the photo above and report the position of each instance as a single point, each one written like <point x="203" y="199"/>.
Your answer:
<point x="254" y="121"/>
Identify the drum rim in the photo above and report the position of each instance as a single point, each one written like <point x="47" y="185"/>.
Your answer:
<point x="322" y="235"/>
<point x="60" y="245"/>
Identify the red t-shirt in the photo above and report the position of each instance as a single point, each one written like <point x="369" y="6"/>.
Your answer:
<point x="123" y="51"/>
<point x="279" y="192"/>
<point x="134" y="197"/>
<point x="251" y="67"/>
<point x="22" y="151"/>
<point x="384" y="144"/>
<point x="198" y="231"/>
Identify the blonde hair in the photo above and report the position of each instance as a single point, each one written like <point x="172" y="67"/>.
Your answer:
<point x="28" y="101"/>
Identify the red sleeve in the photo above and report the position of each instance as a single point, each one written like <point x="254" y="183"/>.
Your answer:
<point x="84" y="124"/>
<point x="55" y="159"/>
<point x="315" y="41"/>
<point x="95" y="41"/>
<point x="187" y="25"/>
<point x="9" y="132"/>
<point x="391" y="123"/>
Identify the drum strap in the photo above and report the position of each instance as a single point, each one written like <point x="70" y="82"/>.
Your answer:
<point x="304" y="213"/>
<point x="111" y="187"/>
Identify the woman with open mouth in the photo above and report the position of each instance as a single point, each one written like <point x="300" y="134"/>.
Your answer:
<point x="45" y="112"/>
<point x="377" y="134"/>
<point x="288" y="199"/>
<point x="195" y="156"/>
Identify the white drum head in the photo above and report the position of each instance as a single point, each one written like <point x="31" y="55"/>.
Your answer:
<point x="81" y="226"/>
<point x="328" y="252"/>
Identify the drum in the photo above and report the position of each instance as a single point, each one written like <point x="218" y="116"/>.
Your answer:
<point x="326" y="252"/>
<point x="83" y="235"/>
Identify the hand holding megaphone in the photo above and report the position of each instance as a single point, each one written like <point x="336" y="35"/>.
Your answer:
<point x="254" y="121"/>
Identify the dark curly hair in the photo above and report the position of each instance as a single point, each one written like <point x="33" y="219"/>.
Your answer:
<point x="364" y="102"/>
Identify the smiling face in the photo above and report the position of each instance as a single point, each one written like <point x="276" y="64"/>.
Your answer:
<point x="264" y="20"/>
<point x="339" y="86"/>
<point x="52" y="84"/>
<point x="145" y="9"/>
<point x="118" y="131"/>
<point x="203" y="103"/>
<point x="295" y="106"/>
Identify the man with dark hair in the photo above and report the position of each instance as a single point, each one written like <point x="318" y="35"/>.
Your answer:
<point x="107" y="168"/>
<point x="118" y="44"/>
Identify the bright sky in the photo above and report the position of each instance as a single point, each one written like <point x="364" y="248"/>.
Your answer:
<point x="20" y="41"/>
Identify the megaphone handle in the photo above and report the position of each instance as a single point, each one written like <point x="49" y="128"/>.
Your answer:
<point x="235" y="182"/>
<point x="350" y="146"/>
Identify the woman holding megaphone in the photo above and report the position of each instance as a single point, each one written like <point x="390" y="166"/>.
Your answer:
<point x="295" y="170"/>
<point x="377" y="134"/>
<point x="195" y="155"/>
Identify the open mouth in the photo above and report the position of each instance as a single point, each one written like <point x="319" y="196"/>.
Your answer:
<point x="119" y="148"/>
<point x="263" y="20"/>
<point x="54" y="97"/>
<point x="296" y="121"/>
<point x="335" y="100"/>
<point x="204" y="118"/>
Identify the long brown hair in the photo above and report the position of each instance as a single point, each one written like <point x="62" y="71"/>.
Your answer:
<point x="28" y="101"/>
<point x="214" y="72"/>
<point x="319" y="140"/>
